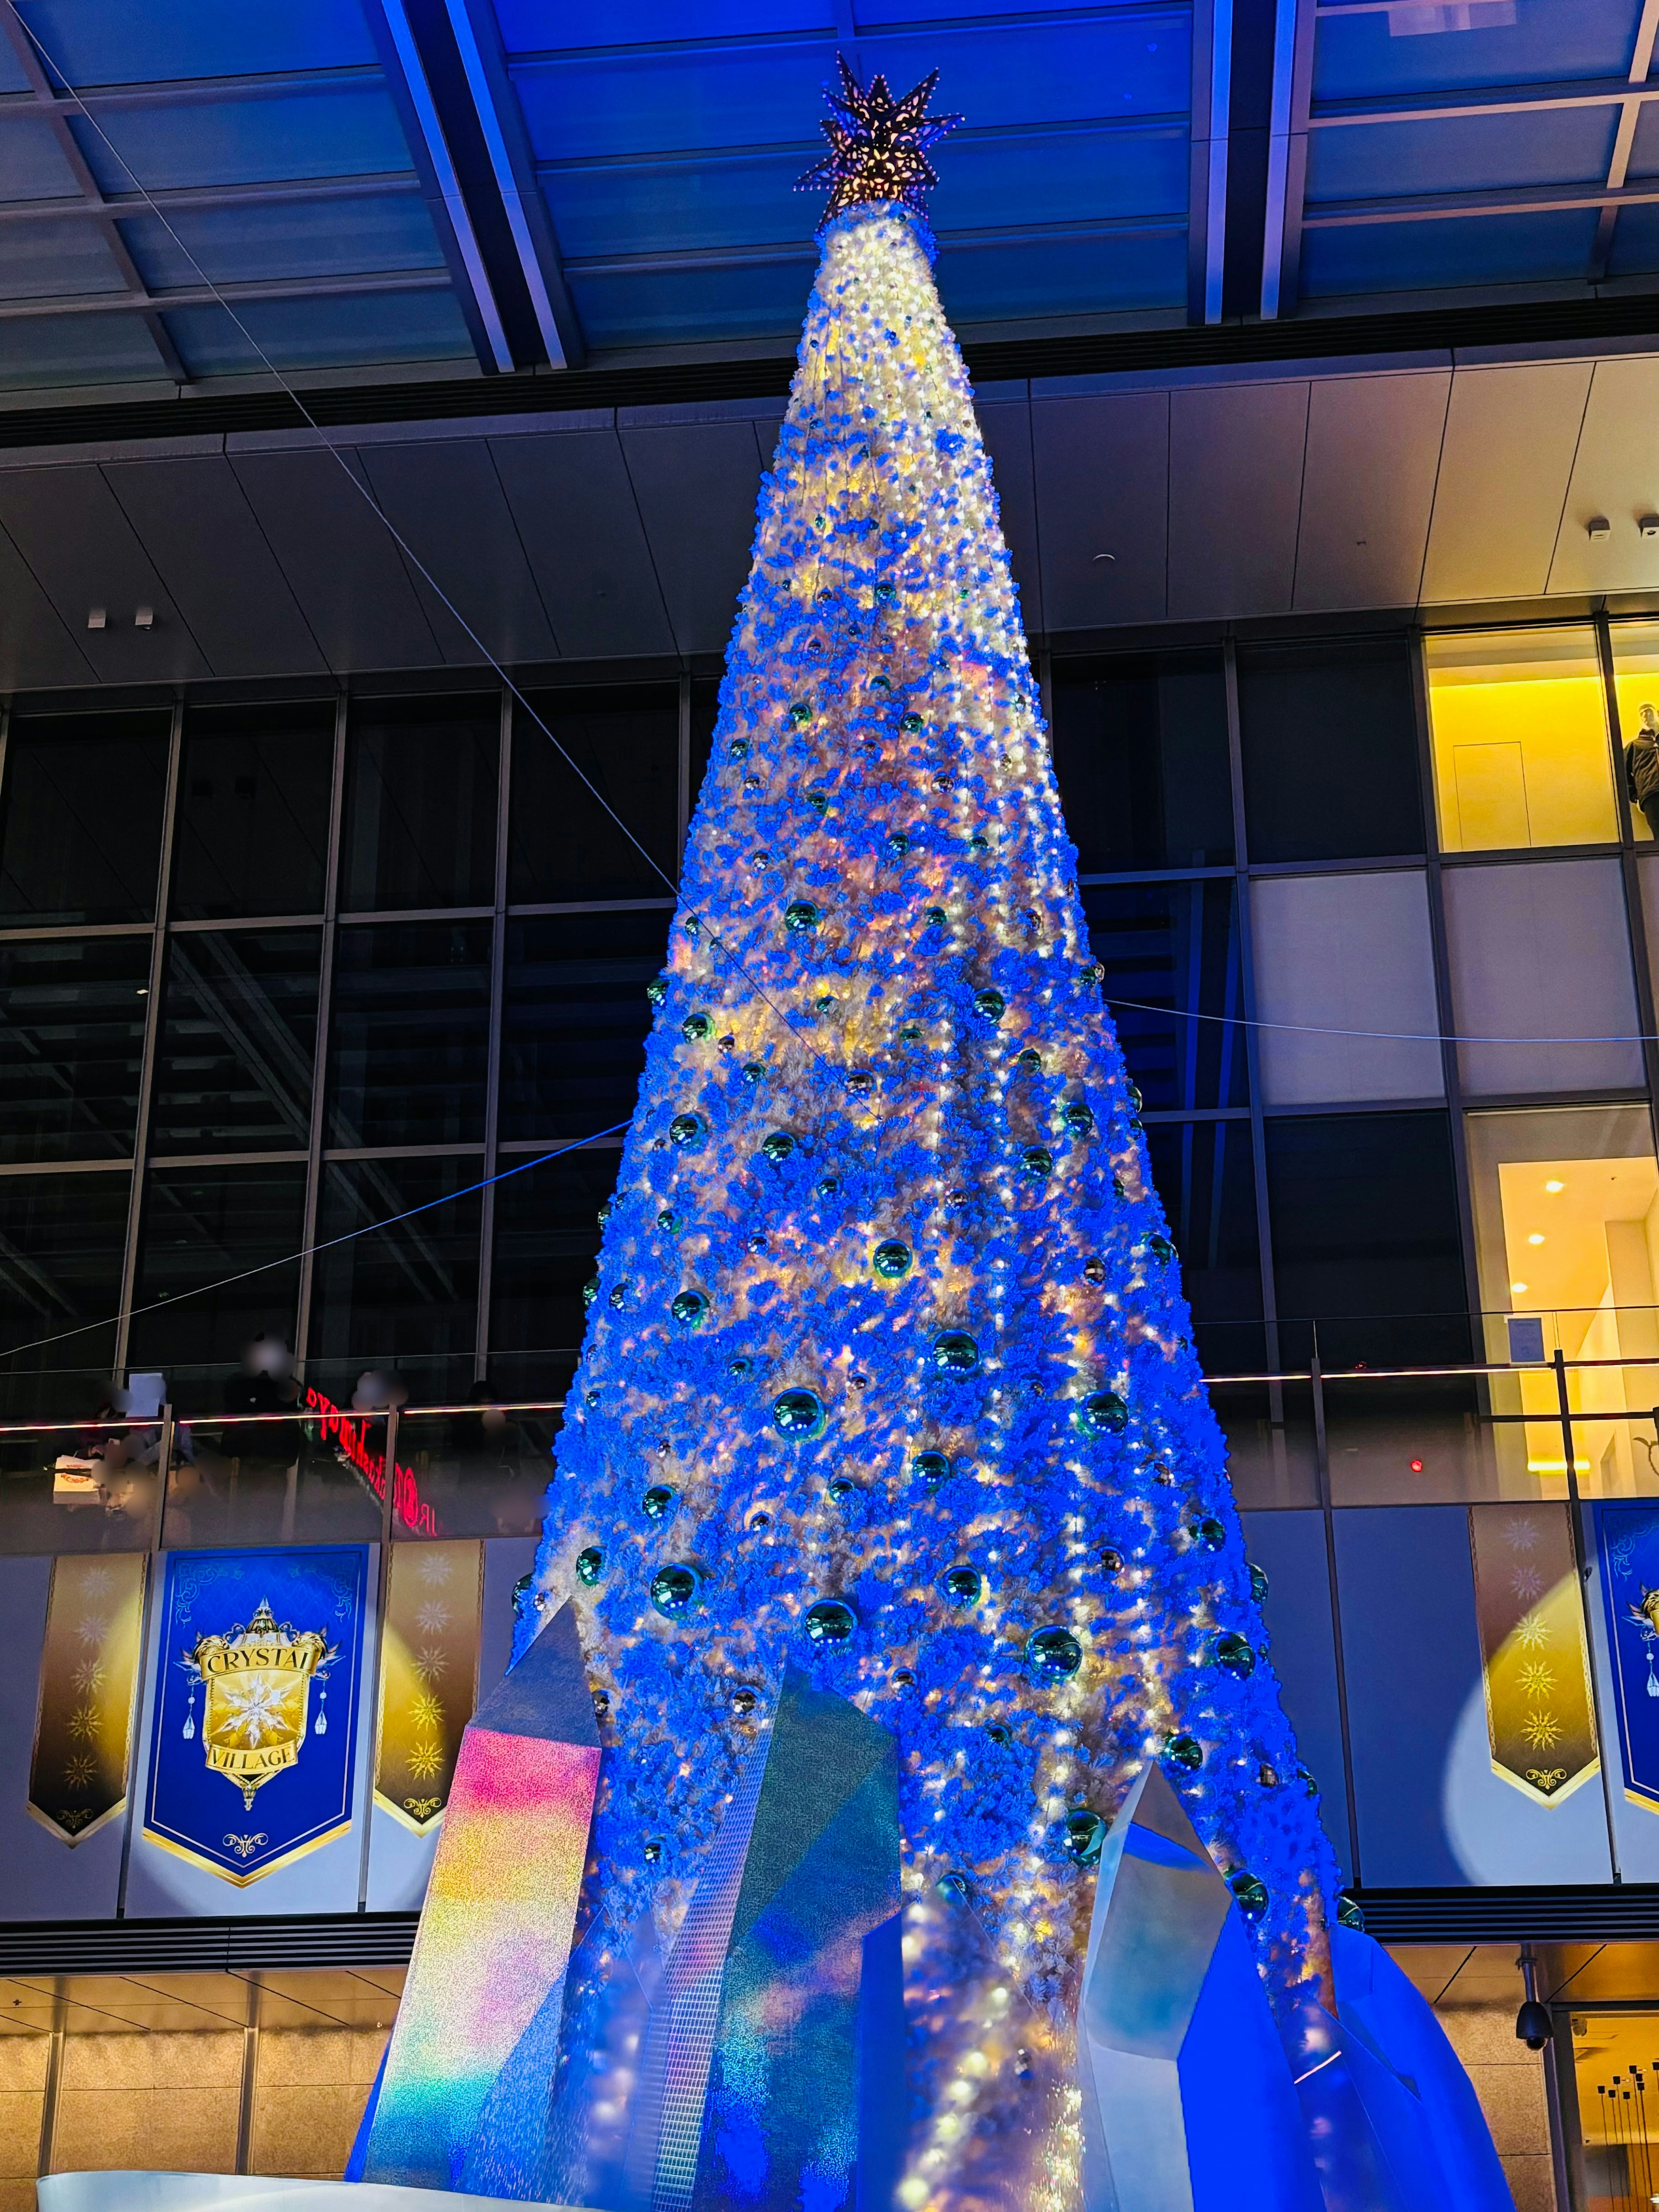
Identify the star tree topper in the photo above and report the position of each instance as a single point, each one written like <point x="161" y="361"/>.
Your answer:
<point x="878" y="153"/>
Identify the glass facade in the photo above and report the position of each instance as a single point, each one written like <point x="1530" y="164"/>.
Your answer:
<point x="1349" y="937"/>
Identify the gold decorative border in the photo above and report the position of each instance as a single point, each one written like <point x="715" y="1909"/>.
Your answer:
<point x="428" y="1676"/>
<point x="87" y="1702"/>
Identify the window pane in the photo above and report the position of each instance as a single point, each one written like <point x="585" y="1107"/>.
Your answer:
<point x="403" y="1298"/>
<point x="1345" y="988"/>
<point x="1365" y="1240"/>
<point x="1170" y="953"/>
<point x="1540" y="953"/>
<point x="1140" y="750"/>
<point x="201" y="1225"/>
<point x="410" y="1034"/>
<point x="1566" y="1227"/>
<point x="547" y="1246"/>
<point x="62" y="1241"/>
<point x="1520" y="726"/>
<point x="254" y="788"/>
<point x="576" y="1019"/>
<point x="420" y="805"/>
<point x="1203" y="1173"/>
<point x="625" y="740"/>
<point x="1636" y="681"/>
<point x="1330" y="740"/>
<point x="71" y="1046"/>
<point x="239" y="1031"/>
<point x="81" y="837"/>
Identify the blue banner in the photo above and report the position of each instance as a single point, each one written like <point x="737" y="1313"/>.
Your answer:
<point x="1627" y="1540"/>
<point x="255" y="1732"/>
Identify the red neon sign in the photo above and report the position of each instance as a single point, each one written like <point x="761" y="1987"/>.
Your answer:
<point x="350" y="1434"/>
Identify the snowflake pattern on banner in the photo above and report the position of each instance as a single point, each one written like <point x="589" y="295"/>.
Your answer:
<point x="888" y="1374"/>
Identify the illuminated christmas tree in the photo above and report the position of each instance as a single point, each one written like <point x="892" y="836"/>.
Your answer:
<point x="888" y="1376"/>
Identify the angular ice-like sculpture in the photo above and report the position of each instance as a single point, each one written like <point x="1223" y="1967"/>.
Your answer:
<point x="1188" y="2105"/>
<point x="772" y="2071"/>
<point x="494" y="1936"/>
<point x="1421" y="2102"/>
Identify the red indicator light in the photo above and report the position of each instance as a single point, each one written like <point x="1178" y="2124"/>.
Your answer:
<point x="1417" y="1466"/>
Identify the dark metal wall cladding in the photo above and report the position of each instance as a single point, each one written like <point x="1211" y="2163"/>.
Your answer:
<point x="1525" y="323"/>
<point x="1626" y="1913"/>
<point x="173" y="1946"/>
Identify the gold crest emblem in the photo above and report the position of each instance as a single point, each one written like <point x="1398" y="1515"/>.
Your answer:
<point x="256" y="1684"/>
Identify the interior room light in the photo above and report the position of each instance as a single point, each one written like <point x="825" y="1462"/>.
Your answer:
<point x="1555" y="1186"/>
<point x="1535" y="1238"/>
<point x="1517" y="1288"/>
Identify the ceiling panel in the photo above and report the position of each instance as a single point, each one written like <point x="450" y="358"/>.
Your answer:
<point x="1615" y="479"/>
<point x="1236" y="457"/>
<point x="341" y="565"/>
<point x="1102" y="466"/>
<point x="579" y="523"/>
<point x="696" y="484"/>
<point x="1368" y="488"/>
<point x="445" y="502"/>
<point x="66" y="524"/>
<point x="196" y="526"/>
<point x="1510" y="435"/>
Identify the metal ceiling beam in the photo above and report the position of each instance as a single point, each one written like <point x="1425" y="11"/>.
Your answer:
<point x="478" y="38"/>
<point x="1287" y="159"/>
<point x="197" y="91"/>
<point x="451" y="217"/>
<point x="276" y="288"/>
<point x="1509" y="199"/>
<point x="1623" y="139"/>
<point x="191" y="201"/>
<point x="1206" y="204"/>
<point x="805" y="254"/>
<point x="43" y="100"/>
<point x="1545" y="99"/>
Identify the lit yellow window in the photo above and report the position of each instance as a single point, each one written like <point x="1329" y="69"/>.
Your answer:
<point x="1636" y="679"/>
<point x="1520" y="730"/>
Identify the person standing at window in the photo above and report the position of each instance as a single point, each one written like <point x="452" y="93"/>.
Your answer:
<point x="1641" y="767"/>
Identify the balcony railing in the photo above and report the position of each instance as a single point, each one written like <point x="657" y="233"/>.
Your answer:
<point x="1544" y="1425"/>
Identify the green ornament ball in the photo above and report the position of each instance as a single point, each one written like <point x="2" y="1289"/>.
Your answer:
<point x="1054" y="1655"/>
<point x="1102" y="1413"/>
<point x="798" y="1413"/>
<point x="1233" y="1653"/>
<point x="890" y="1259"/>
<point x="830" y="1622"/>
<point x="673" y="1588"/>
<point x="955" y="1353"/>
<point x="590" y="1564"/>
<point x="1085" y="1832"/>
<point x="1250" y="1891"/>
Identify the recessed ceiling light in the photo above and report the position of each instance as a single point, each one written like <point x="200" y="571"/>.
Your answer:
<point x="1555" y="1186"/>
<point x="1536" y="1237"/>
<point x="1517" y="1288"/>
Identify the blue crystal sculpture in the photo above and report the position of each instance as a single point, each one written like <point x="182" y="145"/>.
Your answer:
<point x="1188" y="2104"/>
<point x="771" y="2071"/>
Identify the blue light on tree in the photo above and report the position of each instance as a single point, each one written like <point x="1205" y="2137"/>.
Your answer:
<point x="886" y="1302"/>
